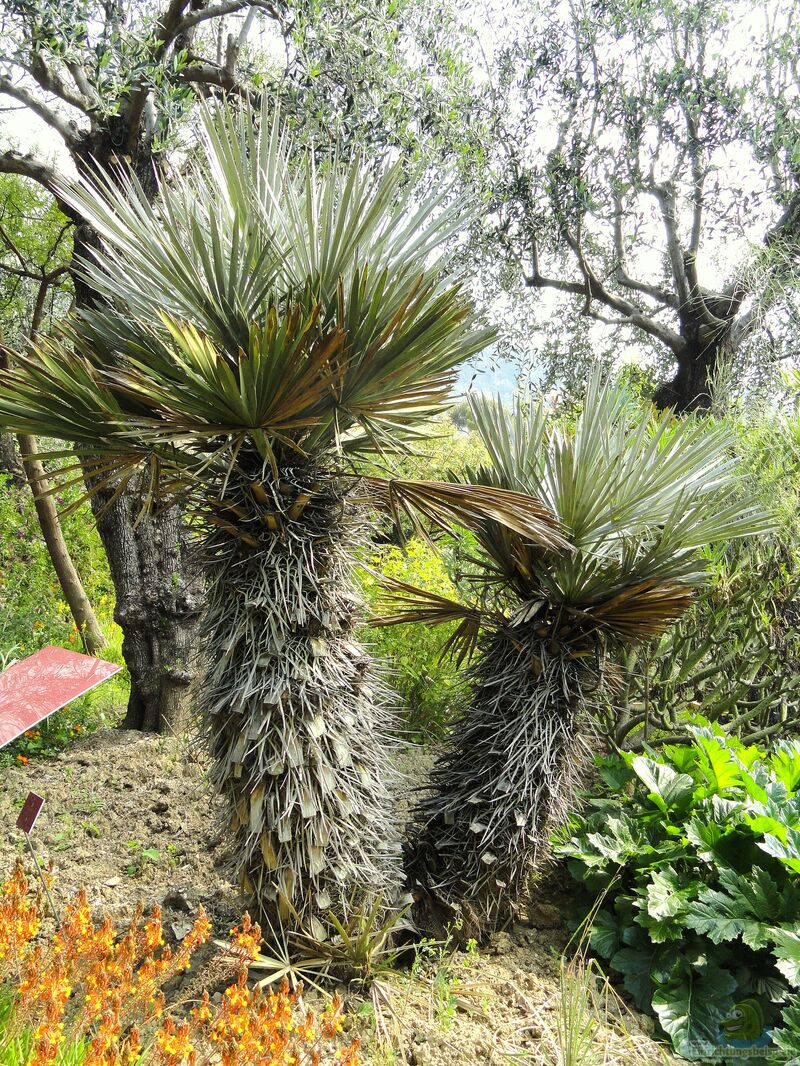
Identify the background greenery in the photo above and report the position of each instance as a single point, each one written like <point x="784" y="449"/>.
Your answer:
<point x="33" y="613"/>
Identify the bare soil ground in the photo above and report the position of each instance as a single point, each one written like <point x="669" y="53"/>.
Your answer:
<point x="131" y="818"/>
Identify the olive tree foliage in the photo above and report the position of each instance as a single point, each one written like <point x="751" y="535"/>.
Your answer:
<point x="641" y="161"/>
<point x="637" y="163"/>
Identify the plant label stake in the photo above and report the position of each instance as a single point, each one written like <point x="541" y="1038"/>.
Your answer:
<point x="31" y="809"/>
<point x="32" y="689"/>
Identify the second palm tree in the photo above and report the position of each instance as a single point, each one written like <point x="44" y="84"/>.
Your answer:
<point x="637" y="496"/>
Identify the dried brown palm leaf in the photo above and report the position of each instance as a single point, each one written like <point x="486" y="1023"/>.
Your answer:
<point x="446" y="504"/>
<point x="642" y="611"/>
<point x="410" y="605"/>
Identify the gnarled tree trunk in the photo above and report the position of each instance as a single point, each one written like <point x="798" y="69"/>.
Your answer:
<point x="157" y="609"/>
<point x="690" y="387"/>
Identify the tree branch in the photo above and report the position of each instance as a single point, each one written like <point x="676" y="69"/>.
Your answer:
<point x="621" y="272"/>
<point x="592" y="288"/>
<point x="51" y="82"/>
<point x="168" y="24"/>
<point x="665" y="197"/>
<point x="227" y="7"/>
<point x="62" y="126"/>
<point x="206" y="73"/>
<point x="698" y="179"/>
<point x="83" y="84"/>
<point x="236" y="43"/>
<point x="27" y="166"/>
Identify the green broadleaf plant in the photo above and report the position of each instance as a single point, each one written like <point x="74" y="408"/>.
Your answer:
<point x="705" y="920"/>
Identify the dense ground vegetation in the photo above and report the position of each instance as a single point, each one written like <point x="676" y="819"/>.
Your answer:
<point x="693" y="884"/>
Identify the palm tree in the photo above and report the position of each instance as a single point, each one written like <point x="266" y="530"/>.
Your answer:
<point x="266" y="321"/>
<point x="637" y="496"/>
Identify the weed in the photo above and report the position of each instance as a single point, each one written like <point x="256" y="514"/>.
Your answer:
<point x="360" y="949"/>
<point x="141" y="858"/>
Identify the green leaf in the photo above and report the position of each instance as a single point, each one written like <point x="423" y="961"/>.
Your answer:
<point x="666" y="897"/>
<point x="604" y="936"/>
<point x="787" y="952"/>
<point x="691" y="1011"/>
<point x="718" y="765"/>
<point x="615" y="773"/>
<point x="707" y="837"/>
<point x="669" y="790"/>
<point x="785" y="763"/>
<point x="747" y="907"/>
<point x="622" y="839"/>
<point x="635" y="965"/>
<point x="682" y="756"/>
<point x="787" y="853"/>
<point x="788" y="1036"/>
<point x="717" y="916"/>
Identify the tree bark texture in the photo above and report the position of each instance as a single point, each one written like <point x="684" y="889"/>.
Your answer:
<point x="157" y="608"/>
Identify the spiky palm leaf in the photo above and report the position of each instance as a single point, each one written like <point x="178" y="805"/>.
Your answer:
<point x="264" y="320"/>
<point x="636" y="496"/>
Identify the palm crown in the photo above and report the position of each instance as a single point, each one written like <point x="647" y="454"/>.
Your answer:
<point x="637" y="495"/>
<point x="284" y="304"/>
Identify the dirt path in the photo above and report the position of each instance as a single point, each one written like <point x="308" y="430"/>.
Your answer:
<point x="131" y="818"/>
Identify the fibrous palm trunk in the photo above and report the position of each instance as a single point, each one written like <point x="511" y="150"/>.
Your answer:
<point x="503" y="779"/>
<point x="299" y="730"/>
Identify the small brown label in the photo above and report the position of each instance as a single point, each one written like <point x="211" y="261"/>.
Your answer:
<point x="31" y="810"/>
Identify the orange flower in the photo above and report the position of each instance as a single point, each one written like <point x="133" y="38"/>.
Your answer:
<point x="173" y="1043"/>
<point x="114" y="988"/>
<point x="349" y="1055"/>
<point x="202" y="1013"/>
<point x="246" y="939"/>
<point x="332" y="1018"/>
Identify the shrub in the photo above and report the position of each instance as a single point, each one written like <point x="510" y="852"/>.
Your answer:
<point x="692" y="885"/>
<point x="735" y="657"/>
<point x="86" y="997"/>
<point x="428" y="684"/>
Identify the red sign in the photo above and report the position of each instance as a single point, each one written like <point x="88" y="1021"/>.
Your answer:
<point x="31" y="809"/>
<point x="31" y="690"/>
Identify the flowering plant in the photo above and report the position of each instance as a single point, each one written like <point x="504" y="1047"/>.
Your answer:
<point x="85" y="996"/>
